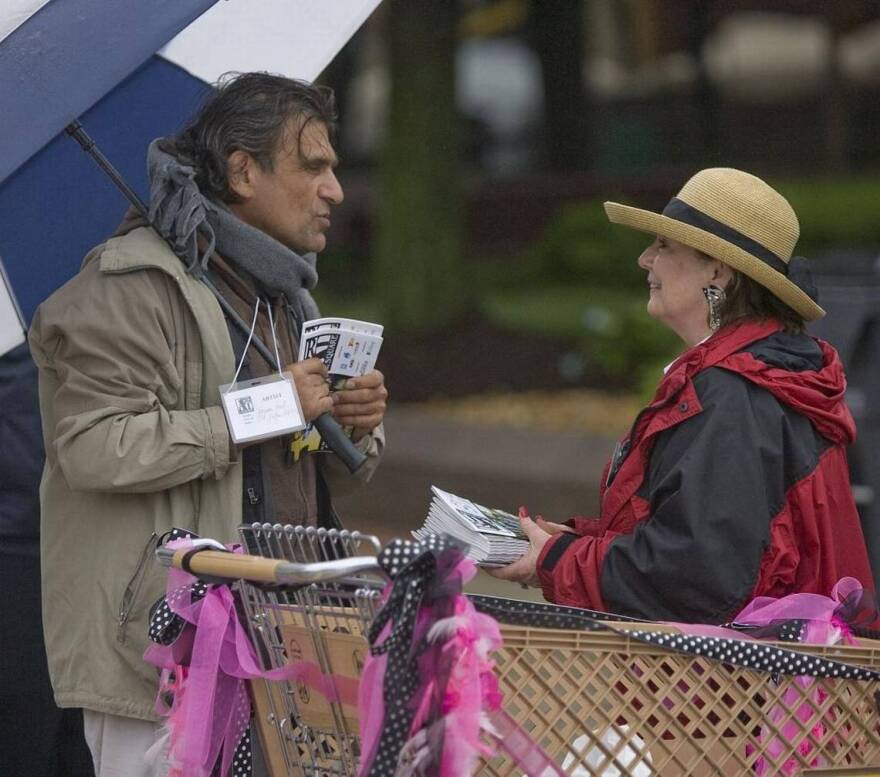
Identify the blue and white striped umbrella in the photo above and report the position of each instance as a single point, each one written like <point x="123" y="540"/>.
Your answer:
<point x="130" y="71"/>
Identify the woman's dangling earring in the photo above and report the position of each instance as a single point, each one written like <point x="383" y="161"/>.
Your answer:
<point x="715" y="296"/>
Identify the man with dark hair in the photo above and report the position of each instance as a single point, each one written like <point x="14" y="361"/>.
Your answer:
<point x="132" y="353"/>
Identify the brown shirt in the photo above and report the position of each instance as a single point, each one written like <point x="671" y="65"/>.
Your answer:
<point x="291" y="485"/>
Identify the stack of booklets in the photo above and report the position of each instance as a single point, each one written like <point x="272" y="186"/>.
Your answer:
<point x="494" y="537"/>
<point x="348" y="348"/>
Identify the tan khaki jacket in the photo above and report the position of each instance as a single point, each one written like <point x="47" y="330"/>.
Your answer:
<point x="131" y="353"/>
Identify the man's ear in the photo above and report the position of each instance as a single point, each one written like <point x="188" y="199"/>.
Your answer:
<point x="241" y="165"/>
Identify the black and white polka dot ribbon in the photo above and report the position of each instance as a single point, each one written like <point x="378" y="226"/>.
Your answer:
<point x="755" y="655"/>
<point x="732" y="649"/>
<point x="520" y="612"/>
<point x="413" y="567"/>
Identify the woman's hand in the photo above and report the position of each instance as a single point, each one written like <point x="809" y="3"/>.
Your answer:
<point x="554" y="528"/>
<point x="525" y="569"/>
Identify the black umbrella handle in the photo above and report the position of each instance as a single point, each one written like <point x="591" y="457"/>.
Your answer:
<point x="339" y="442"/>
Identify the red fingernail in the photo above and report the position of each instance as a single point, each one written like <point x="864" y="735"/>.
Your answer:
<point x="523" y="511"/>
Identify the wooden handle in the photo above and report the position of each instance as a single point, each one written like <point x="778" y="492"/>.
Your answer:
<point x="233" y="566"/>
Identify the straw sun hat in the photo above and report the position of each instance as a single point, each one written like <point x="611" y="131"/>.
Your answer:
<point x="736" y="218"/>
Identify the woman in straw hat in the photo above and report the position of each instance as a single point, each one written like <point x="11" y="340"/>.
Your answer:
<point x="733" y="482"/>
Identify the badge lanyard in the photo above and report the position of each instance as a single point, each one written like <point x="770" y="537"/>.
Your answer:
<point x="242" y="326"/>
<point x="277" y="365"/>
<point x="264" y="407"/>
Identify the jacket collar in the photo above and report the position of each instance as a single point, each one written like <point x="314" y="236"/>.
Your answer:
<point x="139" y="249"/>
<point x="817" y="394"/>
<point x="710" y="352"/>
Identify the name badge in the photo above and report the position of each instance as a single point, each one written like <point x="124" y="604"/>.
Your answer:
<point x="261" y="408"/>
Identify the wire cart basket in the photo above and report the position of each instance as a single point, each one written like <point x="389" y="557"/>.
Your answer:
<point x="323" y="623"/>
<point x="598" y="697"/>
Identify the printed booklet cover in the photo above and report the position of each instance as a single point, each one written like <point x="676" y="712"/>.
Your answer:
<point x="348" y="348"/>
<point x="494" y="537"/>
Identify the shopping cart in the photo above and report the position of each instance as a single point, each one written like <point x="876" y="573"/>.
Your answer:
<point x="599" y="697"/>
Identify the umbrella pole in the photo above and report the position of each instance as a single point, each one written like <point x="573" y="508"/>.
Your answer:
<point x="76" y="131"/>
<point x="330" y="430"/>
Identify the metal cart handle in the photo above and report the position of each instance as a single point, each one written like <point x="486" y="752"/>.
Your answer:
<point x="236" y="566"/>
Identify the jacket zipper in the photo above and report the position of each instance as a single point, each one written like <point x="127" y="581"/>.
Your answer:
<point x="129" y="596"/>
<point x="622" y="449"/>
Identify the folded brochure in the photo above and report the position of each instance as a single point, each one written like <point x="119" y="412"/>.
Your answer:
<point x="493" y="536"/>
<point x="348" y="348"/>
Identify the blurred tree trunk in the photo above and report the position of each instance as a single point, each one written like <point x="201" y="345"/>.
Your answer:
<point x="706" y="101"/>
<point x="338" y="76"/>
<point x="836" y="104"/>
<point x="418" y="259"/>
<point x="557" y="35"/>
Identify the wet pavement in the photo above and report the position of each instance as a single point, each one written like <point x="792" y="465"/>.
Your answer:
<point x="554" y="474"/>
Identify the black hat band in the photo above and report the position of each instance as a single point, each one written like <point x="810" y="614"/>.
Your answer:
<point x="680" y="211"/>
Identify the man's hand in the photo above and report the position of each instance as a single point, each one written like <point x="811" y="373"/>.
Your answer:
<point x="360" y="403"/>
<point x="312" y="386"/>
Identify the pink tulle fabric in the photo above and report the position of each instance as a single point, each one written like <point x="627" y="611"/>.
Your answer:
<point x="204" y="672"/>
<point x="822" y="627"/>
<point x="471" y="687"/>
<point x="458" y="690"/>
<point x="459" y="649"/>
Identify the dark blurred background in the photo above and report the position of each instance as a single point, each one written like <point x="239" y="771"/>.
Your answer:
<point x="478" y="141"/>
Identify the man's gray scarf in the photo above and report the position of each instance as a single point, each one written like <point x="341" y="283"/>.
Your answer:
<point x="181" y="214"/>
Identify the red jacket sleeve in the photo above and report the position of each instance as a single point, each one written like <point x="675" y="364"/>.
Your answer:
<point x="713" y="484"/>
<point x="570" y="567"/>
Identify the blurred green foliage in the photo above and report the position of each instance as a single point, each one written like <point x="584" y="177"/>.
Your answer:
<point x="580" y="245"/>
<point x="342" y="274"/>
<point x="580" y="280"/>
<point x="835" y="213"/>
<point x="614" y="342"/>
<point x="363" y="307"/>
<point x="585" y="283"/>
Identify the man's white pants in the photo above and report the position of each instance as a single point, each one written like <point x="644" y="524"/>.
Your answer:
<point x="119" y="745"/>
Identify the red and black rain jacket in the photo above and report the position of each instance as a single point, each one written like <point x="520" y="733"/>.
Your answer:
<point x="732" y="484"/>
